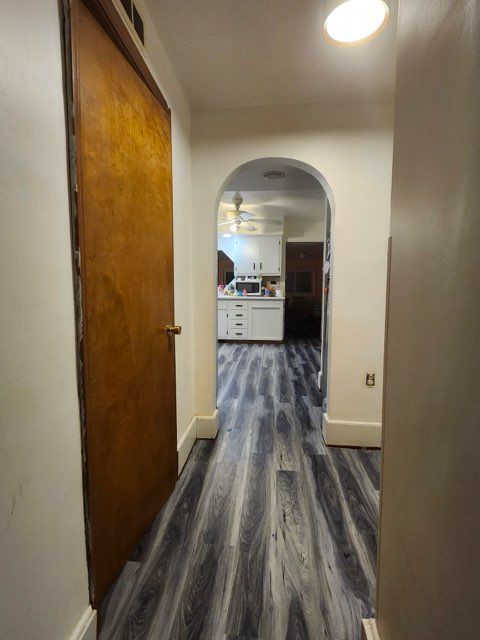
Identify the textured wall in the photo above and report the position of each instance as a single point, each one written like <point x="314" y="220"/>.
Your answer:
<point x="429" y="577"/>
<point x="43" y="591"/>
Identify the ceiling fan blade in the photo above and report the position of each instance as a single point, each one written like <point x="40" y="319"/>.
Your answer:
<point x="249" y="226"/>
<point x="269" y="220"/>
<point x="221" y="224"/>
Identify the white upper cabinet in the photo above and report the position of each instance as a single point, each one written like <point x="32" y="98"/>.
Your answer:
<point x="246" y="255"/>
<point x="258" y="255"/>
<point x="269" y="255"/>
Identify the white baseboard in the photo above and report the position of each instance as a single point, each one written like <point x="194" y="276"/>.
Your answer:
<point x="198" y="427"/>
<point x="207" y="426"/>
<point x="186" y="443"/>
<point x="345" y="433"/>
<point x="370" y="631"/>
<point x="86" y="628"/>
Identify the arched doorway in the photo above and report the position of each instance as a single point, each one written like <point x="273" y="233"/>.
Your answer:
<point x="288" y="198"/>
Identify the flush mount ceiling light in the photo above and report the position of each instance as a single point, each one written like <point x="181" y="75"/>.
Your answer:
<point x="353" y="22"/>
<point x="274" y="175"/>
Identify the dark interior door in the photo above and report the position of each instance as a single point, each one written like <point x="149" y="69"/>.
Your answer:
<point x="303" y="289"/>
<point x="123" y="154"/>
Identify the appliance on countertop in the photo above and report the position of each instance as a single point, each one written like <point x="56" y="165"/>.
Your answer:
<point x="251" y="284"/>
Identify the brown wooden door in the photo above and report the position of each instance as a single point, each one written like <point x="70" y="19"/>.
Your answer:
<point x="124" y="203"/>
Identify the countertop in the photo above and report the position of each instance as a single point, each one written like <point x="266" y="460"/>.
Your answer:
<point x="279" y="298"/>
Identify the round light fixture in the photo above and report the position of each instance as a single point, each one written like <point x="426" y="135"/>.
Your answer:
<point x="353" y="22"/>
<point x="274" y="175"/>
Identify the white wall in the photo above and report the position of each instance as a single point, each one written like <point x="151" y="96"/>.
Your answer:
<point x="298" y="229"/>
<point x="351" y="145"/>
<point x="226" y="245"/>
<point x="43" y="591"/>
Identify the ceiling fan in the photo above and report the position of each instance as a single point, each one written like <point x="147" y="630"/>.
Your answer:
<point x="243" y="218"/>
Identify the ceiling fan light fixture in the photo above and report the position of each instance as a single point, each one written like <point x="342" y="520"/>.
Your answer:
<point x="274" y="175"/>
<point x="353" y="22"/>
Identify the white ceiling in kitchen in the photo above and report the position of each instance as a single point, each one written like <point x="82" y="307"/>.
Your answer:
<point x="307" y="203"/>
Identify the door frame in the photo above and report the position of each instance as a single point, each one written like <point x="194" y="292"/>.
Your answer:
<point x="109" y="18"/>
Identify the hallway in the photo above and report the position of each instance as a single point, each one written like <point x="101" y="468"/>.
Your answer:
<point x="268" y="534"/>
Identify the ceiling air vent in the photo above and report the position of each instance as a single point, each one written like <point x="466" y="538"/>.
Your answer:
<point x="274" y="175"/>
<point x="135" y="18"/>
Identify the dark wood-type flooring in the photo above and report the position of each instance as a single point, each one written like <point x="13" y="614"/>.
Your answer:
<point x="269" y="534"/>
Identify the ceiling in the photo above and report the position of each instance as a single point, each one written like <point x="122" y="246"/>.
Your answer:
<point x="252" y="52"/>
<point x="251" y="177"/>
<point x="307" y="203"/>
<point x="299" y="194"/>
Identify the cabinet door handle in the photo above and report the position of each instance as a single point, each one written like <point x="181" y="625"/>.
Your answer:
<point x="254" y="266"/>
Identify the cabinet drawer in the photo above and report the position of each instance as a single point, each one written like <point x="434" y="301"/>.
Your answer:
<point x="238" y="304"/>
<point x="237" y="333"/>
<point x="237" y="323"/>
<point x="237" y="314"/>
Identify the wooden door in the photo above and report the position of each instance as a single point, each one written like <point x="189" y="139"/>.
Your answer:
<point x="124" y="203"/>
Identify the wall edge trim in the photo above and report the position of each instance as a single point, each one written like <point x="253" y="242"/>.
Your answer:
<point x="186" y="442"/>
<point x="207" y="426"/>
<point x="369" y="629"/>
<point x="346" y="433"/>
<point x="86" y="628"/>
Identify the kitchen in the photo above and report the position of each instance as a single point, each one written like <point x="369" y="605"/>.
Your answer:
<point x="251" y="306"/>
<point x="266" y="209"/>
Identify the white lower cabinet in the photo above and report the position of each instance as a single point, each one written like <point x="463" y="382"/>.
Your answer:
<point x="266" y="320"/>
<point x="250" y="319"/>
<point x="222" y="319"/>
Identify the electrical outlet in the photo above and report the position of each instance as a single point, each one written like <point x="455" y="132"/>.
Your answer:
<point x="370" y="380"/>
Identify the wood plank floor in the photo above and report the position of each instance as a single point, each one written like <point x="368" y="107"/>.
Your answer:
<point x="269" y="534"/>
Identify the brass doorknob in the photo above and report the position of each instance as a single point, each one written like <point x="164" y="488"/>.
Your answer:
<point x="173" y="329"/>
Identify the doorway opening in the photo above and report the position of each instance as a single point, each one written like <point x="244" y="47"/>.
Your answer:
<point x="274" y="259"/>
